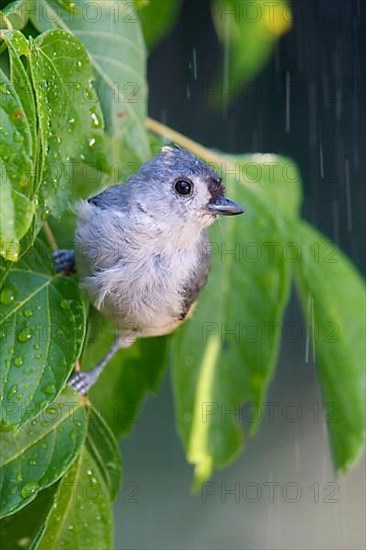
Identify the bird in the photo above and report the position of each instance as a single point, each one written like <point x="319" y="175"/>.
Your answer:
<point x="141" y="248"/>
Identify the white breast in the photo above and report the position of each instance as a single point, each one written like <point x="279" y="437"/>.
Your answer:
<point x="134" y="278"/>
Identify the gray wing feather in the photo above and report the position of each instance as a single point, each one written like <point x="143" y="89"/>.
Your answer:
<point x="115" y="197"/>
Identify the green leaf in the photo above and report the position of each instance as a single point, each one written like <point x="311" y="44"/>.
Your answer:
<point x="226" y="354"/>
<point x="20" y="529"/>
<point x="157" y="20"/>
<point x="16" y="171"/>
<point x="333" y="298"/>
<point x="81" y="517"/>
<point x="70" y="130"/>
<point x="142" y="3"/>
<point x="130" y="375"/>
<point x="249" y="30"/>
<point x="41" y="451"/>
<point x="278" y="177"/>
<point x="323" y="272"/>
<point x="15" y="216"/>
<point x="103" y="448"/>
<point x="70" y="119"/>
<point x="18" y="46"/>
<point x="42" y="322"/>
<point x="68" y="5"/>
<point x="17" y="13"/>
<point x="117" y="52"/>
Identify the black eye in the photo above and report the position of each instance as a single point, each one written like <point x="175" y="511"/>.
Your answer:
<point x="183" y="187"/>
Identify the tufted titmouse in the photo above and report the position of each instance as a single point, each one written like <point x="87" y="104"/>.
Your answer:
<point x="141" y="248"/>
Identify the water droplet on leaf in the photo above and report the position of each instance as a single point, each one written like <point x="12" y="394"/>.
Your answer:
<point x="29" y="489"/>
<point x="24" y="335"/>
<point x="18" y="361"/>
<point x="13" y="391"/>
<point x="7" y="295"/>
<point x="18" y="138"/>
<point x="96" y="122"/>
<point x="50" y="389"/>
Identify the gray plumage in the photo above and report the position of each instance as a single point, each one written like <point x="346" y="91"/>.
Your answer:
<point x="141" y="247"/>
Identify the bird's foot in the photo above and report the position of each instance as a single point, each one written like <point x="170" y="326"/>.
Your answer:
<point x="82" y="382"/>
<point x="64" y="260"/>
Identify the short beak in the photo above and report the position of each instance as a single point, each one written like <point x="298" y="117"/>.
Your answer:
<point x="226" y="207"/>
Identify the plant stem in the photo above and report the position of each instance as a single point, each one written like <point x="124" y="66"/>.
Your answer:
<point x="7" y="22"/>
<point x="50" y="236"/>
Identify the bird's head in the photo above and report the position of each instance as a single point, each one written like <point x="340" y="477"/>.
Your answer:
<point x="178" y="185"/>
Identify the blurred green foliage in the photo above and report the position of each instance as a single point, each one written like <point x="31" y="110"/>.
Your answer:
<point x="158" y="17"/>
<point x="249" y="32"/>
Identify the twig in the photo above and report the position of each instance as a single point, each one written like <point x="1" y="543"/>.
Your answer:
<point x="8" y="24"/>
<point x="50" y="236"/>
<point x="9" y="27"/>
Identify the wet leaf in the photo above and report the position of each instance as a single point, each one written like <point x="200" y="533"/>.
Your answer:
<point x="278" y="177"/>
<point x="225" y="355"/>
<point x="16" y="171"/>
<point x="104" y="450"/>
<point x="68" y="5"/>
<point x="63" y="105"/>
<point x="18" y="46"/>
<point x="20" y="529"/>
<point x="19" y="154"/>
<point x="333" y="298"/>
<point x="39" y="454"/>
<point x="117" y="52"/>
<point x="15" y="216"/>
<point x="81" y="517"/>
<point x="70" y="119"/>
<point x="42" y="323"/>
<point x="335" y="326"/>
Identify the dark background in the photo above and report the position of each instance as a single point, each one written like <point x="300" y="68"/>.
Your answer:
<point x="322" y="57"/>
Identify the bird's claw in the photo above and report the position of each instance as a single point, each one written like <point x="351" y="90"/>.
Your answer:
<point x="64" y="260"/>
